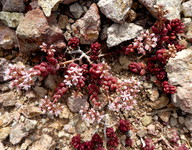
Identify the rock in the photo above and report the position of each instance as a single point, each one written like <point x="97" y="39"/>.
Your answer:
<point x="8" y="39"/>
<point x="164" y="116"/>
<point x="46" y="142"/>
<point x="75" y="104"/>
<point x="181" y="120"/>
<point x="151" y="129"/>
<point x="81" y="126"/>
<point x="141" y="131"/>
<point x="50" y="82"/>
<point x="189" y="32"/>
<point x="35" y="28"/>
<point x="4" y="63"/>
<point x="87" y="28"/>
<point x="146" y="120"/>
<point x="8" y="99"/>
<point x="160" y="103"/>
<point x="188" y="122"/>
<point x="76" y="10"/>
<point x="173" y="6"/>
<point x="11" y="19"/>
<point x="4" y="132"/>
<point x="153" y="94"/>
<point x="48" y="6"/>
<point x="118" y="33"/>
<point x="69" y="128"/>
<point x="115" y="10"/>
<point x="18" y="132"/>
<point x="179" y="70"/>
<point x="2" y="146"/>
<point x="40" y="91"/>
<point x="31" y="111"/>
<point x="173" y="121"/>
<point x="65" y="113"/>
<point x="21" y="130"/>
<point x="63" y="20"/>
<point x="13" y="5"/>
<point x="69" y="1"/>
<point x="186" y="8"/>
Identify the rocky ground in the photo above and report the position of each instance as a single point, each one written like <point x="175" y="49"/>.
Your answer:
<point x="25" y="24"/>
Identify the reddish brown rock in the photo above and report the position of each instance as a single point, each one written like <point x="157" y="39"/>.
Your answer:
<point x="35" y="29"/>
<point x="8" y="38"/>
<point x="13" y="5"/>
<point x="87" y="28"/>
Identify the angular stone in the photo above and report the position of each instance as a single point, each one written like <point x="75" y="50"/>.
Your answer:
<point x="115" y="10"/>
<point x="173" y="6"/>
<point x="65" y="113"/>
<point x="2" y="146"/>
<point x="11" y="19"/>
<point x="160" y="103"/>
<point x="18" y="132"/>
<point x="76" y="10"/>
<point x="188" y="122"/>
<point x="63" y="20"/>
<point x="165" y="116"/>
<point x="146" y="120"/>
<point x="4" y="132"/>
<point x="179" y="70"/>
<point x="8" y="38"/>
<point x="13" y="5"/>
<point x="118" y="33"/>
<point x="44" y="143"/>
<point x="8" y="99"/>
<point x="75" y="104"/>
<point x="48" y="6"/>
<point x="35" y="28"/>
<point x="21" y="130"/>
<point x="87" y="28"/>
<point x="153" y="94"/>
<point x="186" y="8"/>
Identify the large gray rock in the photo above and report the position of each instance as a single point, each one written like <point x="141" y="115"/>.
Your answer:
<point x="11" y="19"/>
<point x="115" y="10"/>
<point x="179" y="70"/>
<point x="173" y="6"/>
<point x="35" y="28"/>
<point x="118" y="33"/>
<point x="87" y="28"/>
<point x="186" y="8"/>
<point x="76" y="10"/>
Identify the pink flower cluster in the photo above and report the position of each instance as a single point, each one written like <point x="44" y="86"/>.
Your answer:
<point x="20" y="76"/>
<point x="145" y="42"/>
<point x="125" y="97"/>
